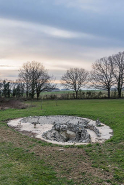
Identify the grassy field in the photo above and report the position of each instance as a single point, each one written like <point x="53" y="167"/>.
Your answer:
<point x="83" y="94"/>
<point x="70" y="94"/>
<point x="28" y="161"/>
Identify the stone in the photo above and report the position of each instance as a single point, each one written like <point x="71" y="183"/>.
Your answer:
<point x="54" y="135"/>
<point x="98" y="123"/>
<point x="61" y="149"/>
<point x="35" y="123"/>
<point x="82" y="136"/>
<point x="19" y="124"/>
<point x="92" y="127"/>
<point x="68" y="132"/>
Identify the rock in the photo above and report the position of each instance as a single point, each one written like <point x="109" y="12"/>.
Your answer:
<point x="92" y="127"/>
<point x="60" y="127"/>
<point x="54" y="135"/>
<point x="98" y="123"/>
<point x="68" y="132"/>
<point x="61" y="149"/>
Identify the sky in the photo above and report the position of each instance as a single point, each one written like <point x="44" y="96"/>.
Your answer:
<point x="60" y="34"/>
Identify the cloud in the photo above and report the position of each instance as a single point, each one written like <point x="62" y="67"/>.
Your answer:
<point x="97" y="6"/>
<point x="89" y="5"/>
<point x="5" y="66"/>
<point x="59" y="33"/>
<point x="58" y="49"/>
<point x="43" y="29"/>
<point x="105" y="21"/>
<point x="8" y="74"/>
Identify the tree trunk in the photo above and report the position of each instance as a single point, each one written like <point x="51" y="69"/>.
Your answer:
<point x="27" y="94"/>
<point x="108" y="92"/>
<point x="38" y="94"/>
<point x="119" y="89"/>
<point x="119" y="92"/>
<point x="76" y="94"/>
<point x="32" y="95"/>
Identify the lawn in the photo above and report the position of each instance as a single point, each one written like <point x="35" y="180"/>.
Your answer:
<point x="29" y="161"/>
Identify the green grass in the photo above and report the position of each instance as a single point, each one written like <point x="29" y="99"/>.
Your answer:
<point x="18" y="166"/>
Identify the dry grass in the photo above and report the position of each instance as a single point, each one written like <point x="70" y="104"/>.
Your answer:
<point x="12" y="103"/>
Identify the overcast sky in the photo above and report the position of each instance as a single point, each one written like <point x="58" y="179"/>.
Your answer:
<point x="58" y="33"/>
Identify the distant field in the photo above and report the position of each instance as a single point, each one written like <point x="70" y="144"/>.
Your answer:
<point x="28" y="161"/>
<point x="71" y="94"/>
<point x="64" y="92"/>
<point x="82" y="94"/>
<point x="56" y="92"/>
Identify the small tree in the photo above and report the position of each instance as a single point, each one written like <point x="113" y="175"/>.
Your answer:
<point x="1" y="86"/>
<point x="6" y="89"/>
<point x="74" y="79"/>
<point x="102" y="75"/>
<point x="19" y="90"/>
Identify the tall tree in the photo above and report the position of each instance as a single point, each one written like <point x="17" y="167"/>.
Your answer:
<point x="74" y="79"/>
<point x="118" y="70"/>
<point x="35" y="77"/>
<point x="102" y="75"/>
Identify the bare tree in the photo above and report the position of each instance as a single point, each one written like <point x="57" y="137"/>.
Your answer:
<point x="102" y="75"/>
<point x="24" y="75"/>
<point x="118" y="70"/>
<point x="35" y="77"/>
<point x="74" y="79"/>
<point x="44" y="83"/>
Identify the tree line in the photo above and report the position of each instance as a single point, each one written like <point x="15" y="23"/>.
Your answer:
<point x="33" y="78"/>
<point x="106" y="73"/>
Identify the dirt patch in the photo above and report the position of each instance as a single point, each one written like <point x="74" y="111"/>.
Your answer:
<point x="72" y="163"/>
<point x="11" y="103"/>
